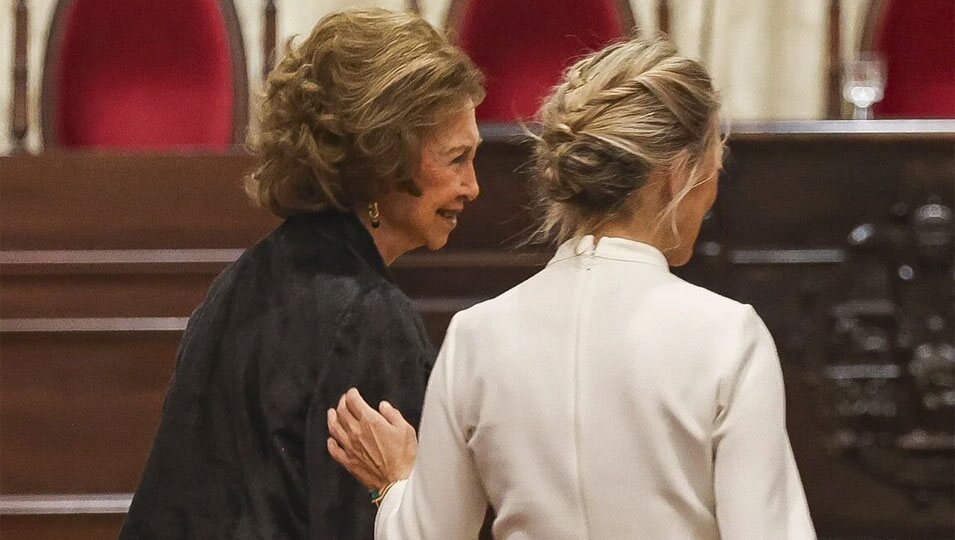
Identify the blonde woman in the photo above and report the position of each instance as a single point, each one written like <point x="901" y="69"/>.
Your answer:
<point x="366" y="148"/>
<point x="603" y="398"/>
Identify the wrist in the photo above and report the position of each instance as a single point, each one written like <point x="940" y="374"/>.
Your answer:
<point x="377" y="495"/>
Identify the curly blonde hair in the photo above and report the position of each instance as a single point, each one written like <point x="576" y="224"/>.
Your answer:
<point x="617" y="116"/>
<point x="345" y="112"/>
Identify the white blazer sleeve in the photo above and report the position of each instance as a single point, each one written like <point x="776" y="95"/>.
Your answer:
<point x="758" y="490"/>
<point x="443" y="498"/>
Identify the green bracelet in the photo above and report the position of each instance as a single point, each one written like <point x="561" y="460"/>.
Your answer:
<point x="378" y="494"/>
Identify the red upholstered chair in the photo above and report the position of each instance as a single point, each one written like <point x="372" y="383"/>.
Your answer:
<point x="917" y="38"/>
<point x="523" y="46"/>
<point x="144" y="74"/>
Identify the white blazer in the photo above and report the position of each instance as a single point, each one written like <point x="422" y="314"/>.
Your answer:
<point x="603" y="398"/>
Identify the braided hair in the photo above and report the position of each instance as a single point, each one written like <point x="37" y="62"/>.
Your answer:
<point x="619" y="115"/>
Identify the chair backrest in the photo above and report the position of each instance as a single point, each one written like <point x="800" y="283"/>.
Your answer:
<point x="144" y="74"/>
<point x="523" y="46"/>
<point x="917" y="39"/>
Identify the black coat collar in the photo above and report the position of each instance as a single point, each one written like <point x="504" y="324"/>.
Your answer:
<point x="345" y="226"/>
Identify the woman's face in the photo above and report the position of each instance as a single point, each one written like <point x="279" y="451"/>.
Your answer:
<point x="447" y="182"/>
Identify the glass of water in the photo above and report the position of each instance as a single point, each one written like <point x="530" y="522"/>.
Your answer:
<point x="863" y="83"/>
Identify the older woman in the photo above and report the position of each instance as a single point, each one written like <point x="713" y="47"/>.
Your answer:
<point x="366" y="148"/>
<point x="604" y="397"/>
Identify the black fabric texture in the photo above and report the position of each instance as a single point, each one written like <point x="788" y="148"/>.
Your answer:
<point x="240" y="452"/>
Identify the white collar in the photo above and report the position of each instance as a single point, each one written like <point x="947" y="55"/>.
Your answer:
<point x="608" y="247"/>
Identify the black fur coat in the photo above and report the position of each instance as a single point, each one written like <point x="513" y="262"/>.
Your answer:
<point x="303" y="315"/>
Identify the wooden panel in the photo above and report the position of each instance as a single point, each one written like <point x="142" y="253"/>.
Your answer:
<point x="80" y="409"/>
<point x="102" y="295"/>
<point x="68" y="200"/>
<point x="60" y="527"/>
<point x="812" y="192"/>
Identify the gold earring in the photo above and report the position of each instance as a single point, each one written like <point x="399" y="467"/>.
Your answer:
<point x="374" y="215"/>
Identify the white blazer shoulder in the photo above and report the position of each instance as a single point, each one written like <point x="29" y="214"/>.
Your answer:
<point x="604" y="398"/>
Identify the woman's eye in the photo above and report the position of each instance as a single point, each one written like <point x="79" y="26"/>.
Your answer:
<point x="463" y="158"/>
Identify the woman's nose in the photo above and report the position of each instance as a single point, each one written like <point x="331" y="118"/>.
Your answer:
<point x="470" y="184"/>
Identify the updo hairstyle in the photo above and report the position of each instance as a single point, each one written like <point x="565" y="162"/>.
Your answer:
<point x="619" y="115"/>
<point x="345" y="112"/>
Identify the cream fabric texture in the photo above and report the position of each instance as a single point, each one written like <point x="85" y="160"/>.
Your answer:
<point x="604" y="398"/>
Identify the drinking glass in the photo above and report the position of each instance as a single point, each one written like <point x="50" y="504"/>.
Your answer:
<point x="863" y="83"/>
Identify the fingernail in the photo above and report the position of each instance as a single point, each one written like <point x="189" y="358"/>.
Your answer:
<point x="384" y="404"/>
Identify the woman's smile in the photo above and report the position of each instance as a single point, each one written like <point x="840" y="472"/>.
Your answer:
<point x="450" y="215"/>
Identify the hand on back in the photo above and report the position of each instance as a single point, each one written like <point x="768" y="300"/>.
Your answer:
<point x="377" y="447"/>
